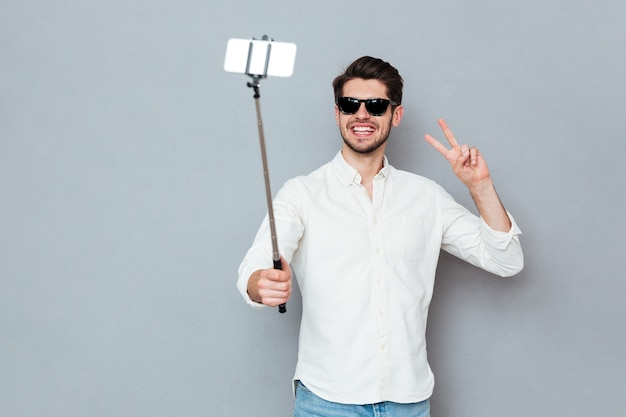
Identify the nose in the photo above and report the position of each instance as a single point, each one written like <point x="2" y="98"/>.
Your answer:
<point x="362" y="113"/>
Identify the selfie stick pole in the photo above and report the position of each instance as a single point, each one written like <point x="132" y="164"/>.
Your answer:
<point x="268" y="193"/>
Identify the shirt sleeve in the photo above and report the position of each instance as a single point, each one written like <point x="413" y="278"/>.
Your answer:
<point x="289" y="229"/>
<point x="468" y="237"/>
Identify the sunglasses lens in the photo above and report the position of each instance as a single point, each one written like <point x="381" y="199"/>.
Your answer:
<point x="374" y="106"/>
<point x="348" y="105"/>
<point x="377" y="106"/>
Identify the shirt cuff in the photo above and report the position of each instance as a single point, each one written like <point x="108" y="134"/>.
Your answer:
<point x="497" y="239"/>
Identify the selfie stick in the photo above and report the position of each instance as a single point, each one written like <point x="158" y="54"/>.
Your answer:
<point x="255" y="85"/>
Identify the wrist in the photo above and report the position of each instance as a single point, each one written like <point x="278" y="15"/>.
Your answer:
<point x="483" y="189"/>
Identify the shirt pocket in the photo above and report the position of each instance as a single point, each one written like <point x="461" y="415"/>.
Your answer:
<point x="406" y="237"/>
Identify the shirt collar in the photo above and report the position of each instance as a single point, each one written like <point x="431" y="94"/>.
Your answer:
<point x="350" y="175"/>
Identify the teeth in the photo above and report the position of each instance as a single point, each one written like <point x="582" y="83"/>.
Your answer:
<point x="363" y="129"/>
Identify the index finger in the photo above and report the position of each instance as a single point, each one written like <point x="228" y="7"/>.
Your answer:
<point x="436" y="144"/>
<point x="448" y="133"/>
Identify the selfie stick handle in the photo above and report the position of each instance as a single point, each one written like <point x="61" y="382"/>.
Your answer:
<point x="268" y="193"/>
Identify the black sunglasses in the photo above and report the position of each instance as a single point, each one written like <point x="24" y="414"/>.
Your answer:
<point x="374" y="106"/>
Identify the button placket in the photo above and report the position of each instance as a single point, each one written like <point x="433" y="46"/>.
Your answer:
<point x="380" y="285"/>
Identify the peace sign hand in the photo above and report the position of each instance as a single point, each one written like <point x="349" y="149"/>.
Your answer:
<point x="467" y="163"/>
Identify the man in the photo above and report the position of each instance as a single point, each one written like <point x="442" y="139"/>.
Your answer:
<point x="363" y="239"/>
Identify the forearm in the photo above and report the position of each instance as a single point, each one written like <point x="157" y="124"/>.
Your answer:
<point x="489" y="206"/>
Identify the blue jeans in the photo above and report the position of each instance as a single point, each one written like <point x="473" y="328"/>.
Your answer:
<point x="310" y="405"/>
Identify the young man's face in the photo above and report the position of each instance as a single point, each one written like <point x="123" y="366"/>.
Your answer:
<point x="362" y="132"/>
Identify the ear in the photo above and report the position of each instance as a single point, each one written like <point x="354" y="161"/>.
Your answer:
<point x="397" y="115"/>
<point x="337" y="115"/>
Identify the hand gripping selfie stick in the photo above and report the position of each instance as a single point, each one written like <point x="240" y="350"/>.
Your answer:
<point x="258" y="59"/>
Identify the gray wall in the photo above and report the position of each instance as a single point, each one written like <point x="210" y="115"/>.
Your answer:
<point x="131" y="187"/>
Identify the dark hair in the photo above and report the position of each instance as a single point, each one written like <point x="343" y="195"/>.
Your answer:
<point x="368" y="68"/>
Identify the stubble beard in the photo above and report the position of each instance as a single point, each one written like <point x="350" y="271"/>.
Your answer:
<point x="380" y="141"/>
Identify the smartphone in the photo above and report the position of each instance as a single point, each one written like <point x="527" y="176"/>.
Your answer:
<point x="260" y="57"/>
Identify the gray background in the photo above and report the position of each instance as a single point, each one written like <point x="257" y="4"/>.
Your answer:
<point x="131" y="187"/>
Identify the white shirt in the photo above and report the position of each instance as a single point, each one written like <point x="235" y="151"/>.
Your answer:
<point x="366" y="270"/>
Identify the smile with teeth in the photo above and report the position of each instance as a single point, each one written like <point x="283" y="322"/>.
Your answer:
<point x="363" y="130"/>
